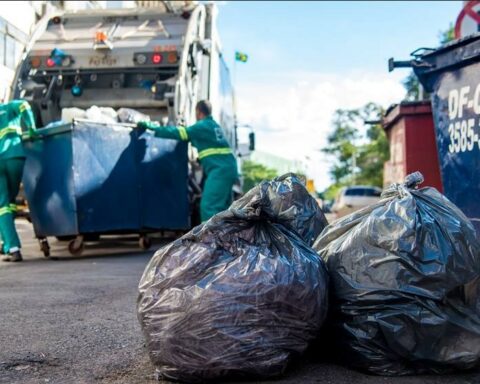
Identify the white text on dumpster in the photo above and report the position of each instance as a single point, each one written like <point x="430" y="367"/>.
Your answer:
<point x="463" y="131"/>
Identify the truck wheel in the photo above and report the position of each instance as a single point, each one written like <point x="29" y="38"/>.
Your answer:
<point x="144" y="242"/>
<point x="44" y="246"/>
<point x="76" y="246"/>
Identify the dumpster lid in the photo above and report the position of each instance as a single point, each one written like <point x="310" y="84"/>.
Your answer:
<point x="452" y="55"/>
<point x="405" y="108"/>
<point x="453" y="44"/>
<point x="67" y="127"/>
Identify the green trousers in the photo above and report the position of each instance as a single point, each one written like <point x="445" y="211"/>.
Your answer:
<point x="10" y="178"/>
<point x="217" y="192"/>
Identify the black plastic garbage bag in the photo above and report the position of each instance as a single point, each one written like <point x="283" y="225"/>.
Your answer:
<point x="241" y="294"/>
<point x="404" y="284"/>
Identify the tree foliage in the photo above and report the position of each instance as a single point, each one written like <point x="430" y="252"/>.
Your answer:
<point x="447" y="35"/>
<point x="412" y="86"/>
<point x="373" y="156"/>
<point x="254" y="173"/>
<point x="331" y="192"/>
<point x="358" y="158"/>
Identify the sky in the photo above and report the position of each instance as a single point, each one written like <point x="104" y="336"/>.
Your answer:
<point x="307" y="59"/>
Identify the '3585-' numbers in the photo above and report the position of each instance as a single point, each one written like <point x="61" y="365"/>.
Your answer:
<point x="462" y="136"/>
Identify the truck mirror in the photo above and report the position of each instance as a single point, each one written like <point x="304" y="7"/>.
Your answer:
<point x="251" y="139"/>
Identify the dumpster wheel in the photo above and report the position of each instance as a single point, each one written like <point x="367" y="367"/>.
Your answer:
<point x="44" y="246"/>
<point x="76" y="246"/>
<point x="144" y="242"/>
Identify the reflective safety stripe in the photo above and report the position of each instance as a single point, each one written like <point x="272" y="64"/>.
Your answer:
<point x="5" y="211"/>
<point x="183" y="133"/>
<point x="12" y="208"/>
<point x="24" y="107"/>
<point x="214" y="151"/>
<point x="8" y="130"/>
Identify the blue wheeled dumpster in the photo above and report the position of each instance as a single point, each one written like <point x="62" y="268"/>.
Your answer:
<point x="452" y="75"/>
<point x="93" y="178"/>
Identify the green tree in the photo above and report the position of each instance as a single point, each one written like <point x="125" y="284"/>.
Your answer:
<point x="331" y="192"/>
<point x="253" y="173"/>
<point x="412" y="86"/>
<point x="341" y="141"/>
<point x="357" y="158"/>
<point x="372" y="157"/>
<point x="447" y="35"/>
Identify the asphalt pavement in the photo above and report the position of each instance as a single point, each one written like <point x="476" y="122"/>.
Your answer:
<point x="73" y="320"/>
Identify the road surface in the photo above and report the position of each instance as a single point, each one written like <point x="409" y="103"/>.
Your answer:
<point x="72" y="320"/>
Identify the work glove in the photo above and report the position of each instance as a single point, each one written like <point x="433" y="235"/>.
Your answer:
<point x="32" y="134"/>
<point x="147" y="124"/>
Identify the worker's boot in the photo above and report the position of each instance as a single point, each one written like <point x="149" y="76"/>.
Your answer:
<point x="13" y="257"/>
<point x="16" y="256"/>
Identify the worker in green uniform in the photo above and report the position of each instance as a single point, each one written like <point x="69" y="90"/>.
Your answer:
<point x="214" y="153"/>
<point x="13" y="117"/>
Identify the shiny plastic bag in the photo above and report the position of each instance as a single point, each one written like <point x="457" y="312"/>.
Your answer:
<point x="131" y="116"/>
<point x="404" y="284"/>
<point x="241" y="294"/>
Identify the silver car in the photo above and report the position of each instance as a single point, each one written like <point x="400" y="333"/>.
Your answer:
<point x="351" y="199"/>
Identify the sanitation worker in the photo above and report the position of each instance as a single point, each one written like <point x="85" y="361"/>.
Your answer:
<point x="13" y="117"/>
<point x="214" y="153"/>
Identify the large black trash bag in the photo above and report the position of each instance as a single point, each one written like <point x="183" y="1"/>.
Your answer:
<point x="241" y="294"/>
<point x="404" y="284"/>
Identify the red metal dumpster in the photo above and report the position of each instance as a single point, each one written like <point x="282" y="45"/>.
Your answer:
<point x="410" y="132"/>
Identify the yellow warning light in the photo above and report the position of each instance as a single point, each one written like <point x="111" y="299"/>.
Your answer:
<point x="101" y="37"/>
<point x="310" y="186"/>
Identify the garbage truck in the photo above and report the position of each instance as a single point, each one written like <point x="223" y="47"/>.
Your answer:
<point x="87" y="175"/>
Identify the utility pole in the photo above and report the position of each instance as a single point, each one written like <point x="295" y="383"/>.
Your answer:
<point x="354" y="166"/>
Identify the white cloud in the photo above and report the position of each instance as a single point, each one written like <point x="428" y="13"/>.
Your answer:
<point x="292" y="113"/>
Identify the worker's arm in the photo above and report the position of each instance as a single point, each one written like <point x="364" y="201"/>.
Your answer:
<point x="170" y="132"/>
<point x="27" y="120"/>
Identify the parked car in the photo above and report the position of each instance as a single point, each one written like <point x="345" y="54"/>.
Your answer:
<point x="351" y="199"/>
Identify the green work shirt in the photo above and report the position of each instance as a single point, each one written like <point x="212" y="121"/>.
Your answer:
<point x="14" y="116"/>
<point x="205" y="135"/>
